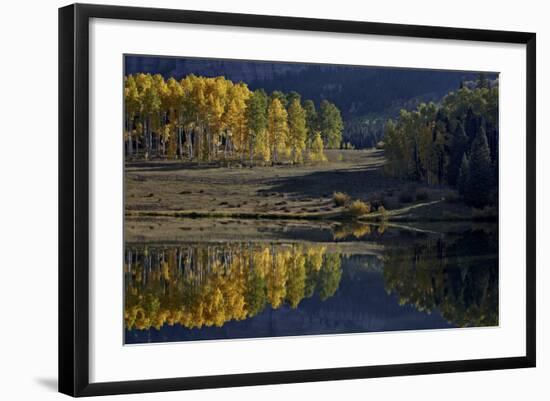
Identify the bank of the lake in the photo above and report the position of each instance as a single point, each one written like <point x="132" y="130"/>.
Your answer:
<point x="302" y="192"/>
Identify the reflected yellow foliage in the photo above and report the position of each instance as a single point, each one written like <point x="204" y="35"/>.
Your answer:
<point x="357" y="230"/>
<point x="209" y="285"/>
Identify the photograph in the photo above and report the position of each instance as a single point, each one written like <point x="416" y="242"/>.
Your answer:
<point x="268" y="199"/>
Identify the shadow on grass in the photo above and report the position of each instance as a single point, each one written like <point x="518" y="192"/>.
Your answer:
<point x="169" y="166"/>
<point x="356" y="182"/>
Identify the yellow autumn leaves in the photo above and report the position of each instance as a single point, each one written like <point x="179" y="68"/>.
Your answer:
<point x="207" y="119"/>
<point x="208" y="285"/>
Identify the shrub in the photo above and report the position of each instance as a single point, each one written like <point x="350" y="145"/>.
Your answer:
<point x="422" y="195"/>
<point x="340" y="198"/>
<point x="358" y="208"/>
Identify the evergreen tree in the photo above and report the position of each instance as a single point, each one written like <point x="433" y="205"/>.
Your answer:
<point x="463" y="176"/>
<point x="312" y="123"/>
<point x="291" y="96"/>
<point x="428" y="144"/>
<point x="331" y="125"/>
<point x="279" y="96"/>
<point x="478" y="193"/>
<point x="471" y="124"/>
<point x="256" y="118"/>
<point x="439" y="161"/>
<point x="458" y="146"/>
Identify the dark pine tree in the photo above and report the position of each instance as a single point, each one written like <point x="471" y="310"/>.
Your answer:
<point x="463" y="176"/>
<point x="481" y="179"/>
<point x="458" y="147"/>
<point x="471" y="124"/>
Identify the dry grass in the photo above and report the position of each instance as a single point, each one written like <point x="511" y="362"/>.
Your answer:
<point x="340" y="198"/>
<point x="358" y="208"/>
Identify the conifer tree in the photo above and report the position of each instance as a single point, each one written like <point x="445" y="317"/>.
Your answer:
<point x="312" y="123"/>
<point x="292" y="96"/>
<point x="463" y="176"/>
<point x="256" y="118"/>
<point x="481" y="174"/>
<point x="459" y="145"/>
<point x="331" y="125"/>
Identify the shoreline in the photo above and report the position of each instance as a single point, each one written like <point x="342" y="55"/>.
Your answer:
<point x="340" y="215"/>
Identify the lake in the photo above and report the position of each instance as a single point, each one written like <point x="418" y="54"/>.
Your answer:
<point x="309" y="279"/>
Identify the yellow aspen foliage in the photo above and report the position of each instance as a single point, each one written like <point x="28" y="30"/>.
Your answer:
<point x="197" y="286"/>
<point x="277" y="129"/>
<point x="212" y="118"/>
<point x="317" y="154"/>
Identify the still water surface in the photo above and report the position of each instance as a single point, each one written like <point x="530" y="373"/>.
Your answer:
<point x="366" y="279"/>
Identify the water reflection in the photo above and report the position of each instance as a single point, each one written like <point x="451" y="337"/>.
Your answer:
<point x="458" y="277"/>
<point x="208" y="285"/>
<point x="416" y="280"/>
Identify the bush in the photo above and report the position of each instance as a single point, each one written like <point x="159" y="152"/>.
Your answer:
<point x="422" y="195"/>
<point x="340" y="198"/>
<point x="358" y="208"/>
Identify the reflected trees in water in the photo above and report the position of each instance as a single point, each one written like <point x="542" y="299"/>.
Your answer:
<point x="200" y="285"/>
<point x="208" y="285"/>
<point x="458" y="277"/>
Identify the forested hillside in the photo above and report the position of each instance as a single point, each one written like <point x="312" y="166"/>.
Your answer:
<point x="454" y="142"/>
<point x="365" y="96"/>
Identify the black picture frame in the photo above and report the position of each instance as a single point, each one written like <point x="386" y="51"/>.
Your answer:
<point x="74" y="198"/>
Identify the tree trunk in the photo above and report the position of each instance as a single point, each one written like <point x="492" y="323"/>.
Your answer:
<point x="190" y="144"/>
<point x="146" y="137"/>
<point x="130" y="146"/>
<point x="180" y="144"/>
<point x="225" y="150"/>
<point x="251" y="155"/>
